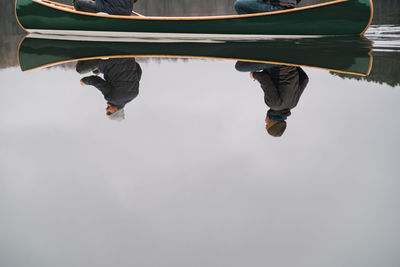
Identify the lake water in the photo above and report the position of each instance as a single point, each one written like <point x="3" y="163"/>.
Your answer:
<point x="191" y="177"/>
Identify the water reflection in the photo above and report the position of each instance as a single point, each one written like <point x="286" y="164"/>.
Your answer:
<point x="282" y="86"/>
<point x="275" y="64"/>
<point x="376" y="56"/>
<point x="192" y="179"/>
<point x="346" y="55"/>
<point x="120" y="84"/>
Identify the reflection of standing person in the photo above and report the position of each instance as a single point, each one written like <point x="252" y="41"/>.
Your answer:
<point x="120" y="84"/>
<point x="282" y="86"/>
<point x="259" y="6"/>
<point x="114" y="7"/>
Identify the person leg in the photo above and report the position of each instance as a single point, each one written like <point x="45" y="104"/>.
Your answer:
<point x="245" y="66"/>
<point x="254" y="6"/>
<point x="86" y="66"/>
<point x="85" y="5"/>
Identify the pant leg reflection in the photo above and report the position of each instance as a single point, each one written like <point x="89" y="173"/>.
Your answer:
<point x="83" y="67"/>
<point x="282" y="87"/>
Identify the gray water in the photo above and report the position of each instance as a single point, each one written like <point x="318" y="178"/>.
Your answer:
<point x="191" y="178"/>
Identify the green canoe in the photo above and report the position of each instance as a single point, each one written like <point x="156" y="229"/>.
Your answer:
<point x="339" y="17"/>
<point x="350" y="55"/>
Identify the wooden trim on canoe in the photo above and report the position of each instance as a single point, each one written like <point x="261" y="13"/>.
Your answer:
<point x="370" y="18"/>
<point x="202" y="57"/>
<point x="19" y="49"/>
<point x="58" y="4"/>
<point x="16" y="16"/>
<point x="70" y="9"/>
<point x="136" y="14"/>
<point x="371" y="62"/>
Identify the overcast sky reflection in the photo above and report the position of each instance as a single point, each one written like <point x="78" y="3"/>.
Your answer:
<point x="191" y="178"/>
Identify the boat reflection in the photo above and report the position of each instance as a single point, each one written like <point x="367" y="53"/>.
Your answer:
<point x="120" y="84"/>
<point x="343" y="55"/>
<point x="275" y="64"/>
<point x="386" y="55"/>
<point x="282" y="86"/>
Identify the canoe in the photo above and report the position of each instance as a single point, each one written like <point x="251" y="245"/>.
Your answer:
<point x="339" y="17"/>
<point x="351" y="55"/>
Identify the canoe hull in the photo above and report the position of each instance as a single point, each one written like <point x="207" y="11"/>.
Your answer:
<point x="348" y="55"/>
<point x="341" y="17"/>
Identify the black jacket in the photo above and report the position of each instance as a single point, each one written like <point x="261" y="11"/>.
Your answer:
<point x="121" y="80"/>
<point x="115" y="7"/>
<point x="282" y="86"/>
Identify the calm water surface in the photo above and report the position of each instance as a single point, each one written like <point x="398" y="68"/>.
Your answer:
<point x="191" y="178"/>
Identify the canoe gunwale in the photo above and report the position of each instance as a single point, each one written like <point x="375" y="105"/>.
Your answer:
<point x="70" y="10"/>
<point x="371" y="8"/>
<point x="17" y="18"/>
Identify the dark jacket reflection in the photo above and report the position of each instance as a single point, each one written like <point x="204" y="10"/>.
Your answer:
<point x="121" y="79"/>
<point x="282" y="86"/>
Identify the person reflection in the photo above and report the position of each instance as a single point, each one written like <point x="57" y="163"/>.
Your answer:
<point x="120" y="84"/>
<point x="282" y="86"/>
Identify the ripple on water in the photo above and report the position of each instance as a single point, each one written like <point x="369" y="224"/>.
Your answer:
<point x="384" y="37"/>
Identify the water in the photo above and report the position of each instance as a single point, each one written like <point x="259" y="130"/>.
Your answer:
<point x="191" y="178"/>
<point x="386" y="38"/>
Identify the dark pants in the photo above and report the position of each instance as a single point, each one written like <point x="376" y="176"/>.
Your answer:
<point x="254" y="6"/>
<point x="85" y="66"/>
<point x="86" y="5"/>
<point x="244" y="66"/>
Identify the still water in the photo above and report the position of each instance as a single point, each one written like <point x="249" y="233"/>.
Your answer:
<point x="191" y="178"/>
